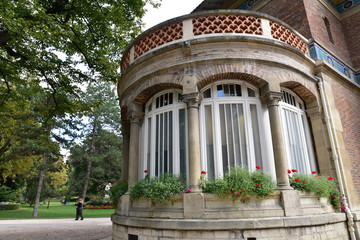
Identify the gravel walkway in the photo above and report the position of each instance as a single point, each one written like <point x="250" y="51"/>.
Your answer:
<point x="47" y="229"/>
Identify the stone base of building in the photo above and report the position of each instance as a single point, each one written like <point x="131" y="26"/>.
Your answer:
<point x="328" y="226"/>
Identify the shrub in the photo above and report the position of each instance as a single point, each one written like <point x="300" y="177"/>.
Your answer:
<point x="240" y="182"/>
<point x="117" y="190"/>
<point x="9" y="207"/>
<point x="320" y="185"/>
<point x="6" y="194"/>
<point x="158" y="189"/>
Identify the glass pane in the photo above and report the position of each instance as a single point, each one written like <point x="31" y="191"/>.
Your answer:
<point x="237" y="147"/>
<point x="161" y="151"/>
<point x="223" y="138"/>
<point x="229" y="135"/>
<point x="166" y="142"/>
<point x="148" y="156"/>
<point x="238" y="90"/>
<point x="157" y="102"/>
<point x="207" y="93"/>
<point x="232" y="90"/>
<point x="170" y="156"/>
<point x="226" y="90"/>
<point x="170" y="98"/>
<point x="251" y="93"/>
<point x="161" y="100"/>
<point x="256" y="135"/>
<point x="180" y="99"/>
<point x="209" y="142"/>
<point x="157" y="156"/>
<point x="241" y="122"/>
<point x="220" y="91"/>
<point x="182" y="142"/>
<point x="166" y="99"/>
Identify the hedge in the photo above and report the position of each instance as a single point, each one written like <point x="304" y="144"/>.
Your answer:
<point x="10" y="206"/>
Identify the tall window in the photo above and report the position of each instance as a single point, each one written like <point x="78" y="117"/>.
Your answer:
<point x="232" y="129"/>
<point x="164" y="148"/>
<point x="296" y="132"/>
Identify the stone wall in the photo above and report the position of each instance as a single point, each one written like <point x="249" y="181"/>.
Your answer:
<point x="316" y="232"/>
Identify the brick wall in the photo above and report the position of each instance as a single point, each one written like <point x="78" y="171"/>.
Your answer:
<point x="315" y="12"/>
<point x="348" y="105"/>
<point x="352" y="37"/>
<point x="306" y="17"/>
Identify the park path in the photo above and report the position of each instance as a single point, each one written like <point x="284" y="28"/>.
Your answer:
<point x="49" y="229"/>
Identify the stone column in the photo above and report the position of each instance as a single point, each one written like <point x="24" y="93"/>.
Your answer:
<point x="125" y="131"/>
<point x="272" y="99"/>
<point x="135" y="121"/>
<point x="192" y="101"/>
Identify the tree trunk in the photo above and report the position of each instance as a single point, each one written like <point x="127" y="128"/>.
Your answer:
<point x="38" y="193"/>
<point x="48" y="206"/>
<point x="88" y="169"/>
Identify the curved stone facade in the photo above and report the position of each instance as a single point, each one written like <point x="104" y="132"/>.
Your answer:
<point x="189" y="55"/>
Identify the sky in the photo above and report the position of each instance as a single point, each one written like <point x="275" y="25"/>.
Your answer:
<point x="168" y="9"/>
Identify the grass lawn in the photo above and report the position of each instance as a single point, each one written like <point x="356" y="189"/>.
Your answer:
<point x="57" y="211"/>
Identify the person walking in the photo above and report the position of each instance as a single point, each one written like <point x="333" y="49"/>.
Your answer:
<point x="79" y="209"/>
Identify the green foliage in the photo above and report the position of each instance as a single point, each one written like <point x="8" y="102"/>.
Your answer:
<point x="158" y="189"/>
<point x="321" y="186"/>
<point x="240" y="182"/>
<point x="9" y="207"/>
<point x="6" y="194"/>
<point x="117" y="190"/>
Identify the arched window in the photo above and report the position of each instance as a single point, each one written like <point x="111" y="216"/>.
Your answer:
<point x="164" y="135"/>
<point x="328" y="29"/>
<point x="299" y="149"/>
<point x="233" y="131"/>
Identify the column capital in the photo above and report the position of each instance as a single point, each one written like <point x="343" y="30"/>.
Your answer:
<point x="192" y="100"/>
<point x="271" y="98"/>
<point x="135" y="116"/>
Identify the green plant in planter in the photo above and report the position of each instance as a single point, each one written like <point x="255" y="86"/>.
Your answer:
<point x="240" y="182"/>
<point x="158" y="189"/>
<point x="320" y="185"/>
<point x="117" y="190"/>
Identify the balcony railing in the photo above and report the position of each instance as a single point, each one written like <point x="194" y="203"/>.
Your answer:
<point x="199" y="25"/>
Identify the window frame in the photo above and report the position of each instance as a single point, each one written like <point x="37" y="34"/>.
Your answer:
<point x="262" y="120"/>
<point x="305" y="132"/>
<point x="175" y="107"/>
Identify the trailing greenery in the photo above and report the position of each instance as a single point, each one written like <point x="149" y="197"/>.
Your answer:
<point x="321" y="186"/>
<point x="117" y="190"/>
<point x="158" y="189"/>
<point x="240" y="182"/>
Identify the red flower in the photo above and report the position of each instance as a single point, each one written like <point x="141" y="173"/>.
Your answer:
<point x="203" y="172"/>
<point x="289" y="171"/>
<point x="258" y="184"/>
<point x="313" y="172"/>
<point x="330" y="178"/>
<point x="124" y="181"/>
<point x="294" y="170"/>
<point x="117" y="179"/>
<point x="145" y="171"/>
<point x="257" y="167"/>
<point x="297" y="180"/>
<point x="304" y="182"/>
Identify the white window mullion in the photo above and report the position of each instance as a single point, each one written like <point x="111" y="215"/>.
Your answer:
<point x="241" y="161"/>
<point x="217" y="142"/>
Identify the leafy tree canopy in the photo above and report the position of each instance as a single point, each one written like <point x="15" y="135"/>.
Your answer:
<point x="48" y="41"/>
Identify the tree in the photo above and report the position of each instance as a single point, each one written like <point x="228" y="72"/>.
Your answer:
<point x="102" y="135"/>
<point x="47" y="40"/>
